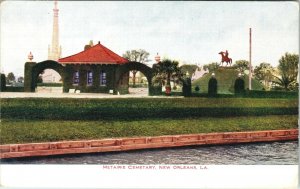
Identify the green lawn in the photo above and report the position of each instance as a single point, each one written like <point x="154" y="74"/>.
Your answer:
<point x="39" y="120"/>
<point x="23" y="131"/>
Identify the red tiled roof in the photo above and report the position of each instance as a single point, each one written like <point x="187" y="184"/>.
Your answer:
<point x="97" y="54"/>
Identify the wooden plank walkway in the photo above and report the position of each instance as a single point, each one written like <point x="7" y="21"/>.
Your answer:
<point x="124" y="144"/>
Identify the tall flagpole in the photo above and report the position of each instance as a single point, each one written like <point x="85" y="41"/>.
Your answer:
<point x="250" y="66"/>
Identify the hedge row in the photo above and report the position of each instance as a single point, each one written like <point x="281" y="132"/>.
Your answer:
<point x="2" y="82"/>
<point x="137" y="109"/>
<point x="147" y="102"/>
<point x="14" y="89"/>
<point x="271" y="94"/>
<point x="251" y="94"/>
<point x="49" y="84"/>
<point x="137" y="114"/>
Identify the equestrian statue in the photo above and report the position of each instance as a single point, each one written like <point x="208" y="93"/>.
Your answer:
<point x="225" y="58"/>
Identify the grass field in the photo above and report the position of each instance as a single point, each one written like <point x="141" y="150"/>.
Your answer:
<point x="24" y="131"/>
<point x="39" y="119"/>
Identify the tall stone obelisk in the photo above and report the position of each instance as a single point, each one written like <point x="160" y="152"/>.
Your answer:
<point x="54" y="52"/>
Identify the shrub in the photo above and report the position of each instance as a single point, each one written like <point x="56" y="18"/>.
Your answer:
<point x="239" y="86"/>
<point x="3" y="82"/>
<point x="197" y="88"/>
<point x="49" y="84"/>
<point x="271" y="94"/>
<point x="155" y="90"/>
<point x="187" y="87"/>
<point x="212" y="87"/>
<point x="14" y="89"/>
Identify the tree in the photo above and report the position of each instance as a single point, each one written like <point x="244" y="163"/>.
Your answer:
<point x="164" y="71"/>
<point x="190" y="68"/>
<point x="241" y="65"/>
<point x="21" y="79"/>
<point x="211" y="67"/>
<point x="10" y="77"/>
<point x="288" y="71"/>
<point x="264" y="73"/>
<point x="136" y="56"/>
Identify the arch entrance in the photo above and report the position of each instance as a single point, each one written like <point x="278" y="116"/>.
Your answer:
<point x="49" y="81"/>
<point x="124" y="78"/>
<point x="33" y="72"/>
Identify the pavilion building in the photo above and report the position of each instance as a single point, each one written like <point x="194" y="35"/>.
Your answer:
<point x="94" y="70"/>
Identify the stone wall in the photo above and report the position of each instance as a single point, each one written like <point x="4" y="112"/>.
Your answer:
<point x="124" y="144"/>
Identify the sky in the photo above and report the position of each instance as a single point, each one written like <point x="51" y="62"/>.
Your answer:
<point x="191" y="32"/>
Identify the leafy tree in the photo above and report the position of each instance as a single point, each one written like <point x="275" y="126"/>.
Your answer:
<point x="21" y="79"/>
<point x="241" y="65"/>
<point x="264" y="73"/>
<point x="190" y="68"/>
<point x="288" y="71"/>
<point x="164" y="71"/>
<point x="139" y="55"/>
<point x="211" y="67"/>
<point x="10" y="77"/>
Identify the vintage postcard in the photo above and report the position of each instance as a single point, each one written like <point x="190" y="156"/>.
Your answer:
<point x="149" y="94"/>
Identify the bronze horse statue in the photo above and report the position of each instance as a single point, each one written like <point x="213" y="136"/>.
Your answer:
<point x="225" y="58"/>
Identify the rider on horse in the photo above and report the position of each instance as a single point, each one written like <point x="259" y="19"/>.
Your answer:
<point x="226" y="54"/>
<point x="225" y="57"/>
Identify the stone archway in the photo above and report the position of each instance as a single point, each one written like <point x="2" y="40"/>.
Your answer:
<point x="32" y="71"/>
<point x="125" y="68"/>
